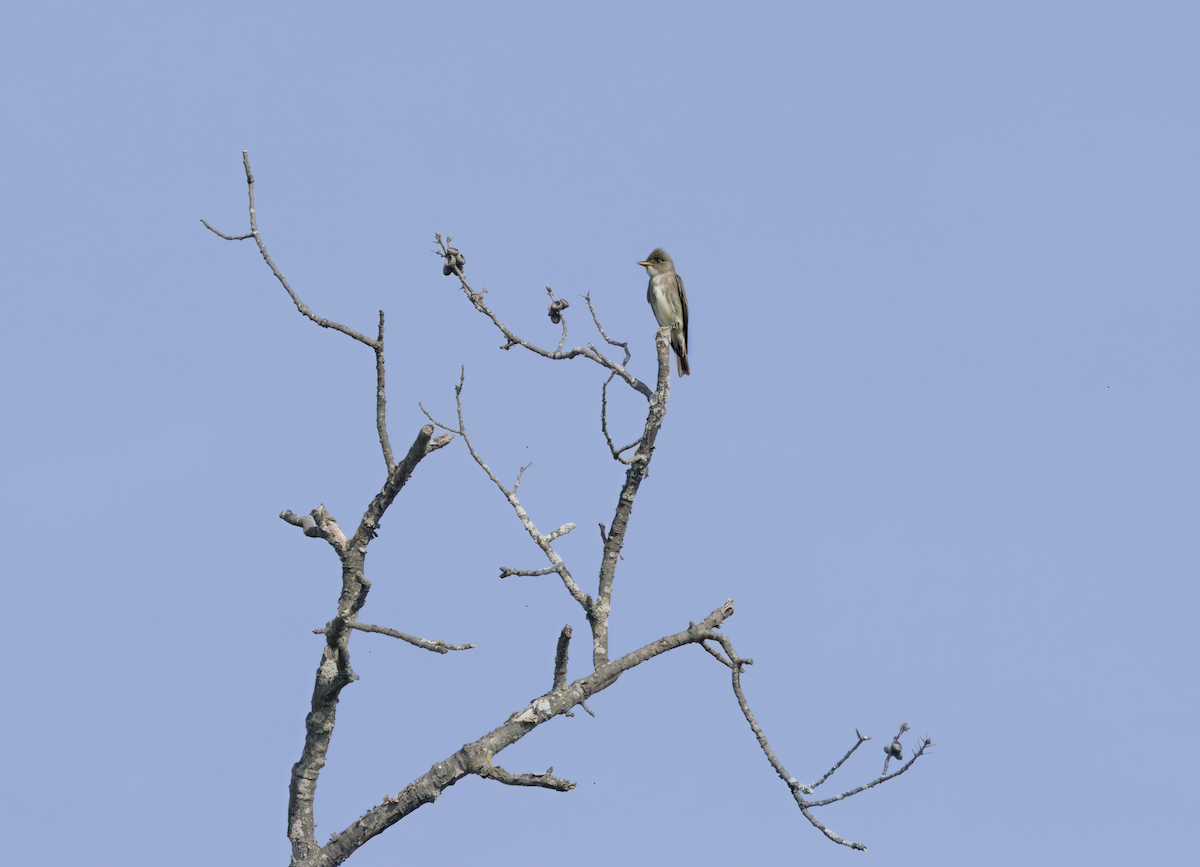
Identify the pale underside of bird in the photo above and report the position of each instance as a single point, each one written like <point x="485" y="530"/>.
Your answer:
<point x="668" y="300"/>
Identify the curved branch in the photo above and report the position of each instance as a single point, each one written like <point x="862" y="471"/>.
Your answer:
<point x="376" y="345"/>
<point x="616" y="452"/>
<point x="798" y="790"/>
<point x="454" y="266"/>
<point x="262" y="248"/>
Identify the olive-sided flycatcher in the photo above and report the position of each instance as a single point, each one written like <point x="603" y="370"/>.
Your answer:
<point x="668" y="300"/>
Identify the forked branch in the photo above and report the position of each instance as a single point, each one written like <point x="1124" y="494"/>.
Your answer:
<point x="798" y="789"/>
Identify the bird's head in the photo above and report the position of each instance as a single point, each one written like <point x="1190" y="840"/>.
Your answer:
<point x="658" y="262"/>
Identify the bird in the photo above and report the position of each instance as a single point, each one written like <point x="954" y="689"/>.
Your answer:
<point x="668" y="300"/>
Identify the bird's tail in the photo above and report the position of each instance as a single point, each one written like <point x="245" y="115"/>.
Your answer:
<point x="681" y="359"/>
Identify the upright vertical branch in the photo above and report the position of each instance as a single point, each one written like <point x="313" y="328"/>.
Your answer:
<point x="381" y="402"/>
<point x="598" y="615"/>
<point x="560" y="658"/>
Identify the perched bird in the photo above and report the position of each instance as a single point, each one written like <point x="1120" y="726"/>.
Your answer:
<point x="668" y="300"/>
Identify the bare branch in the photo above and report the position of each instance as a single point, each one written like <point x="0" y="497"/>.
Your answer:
<point x="476" y="758"/>
<point x="604" y="539"/>
<point x="304" y="522"/>
<point x="560" y="658"/>
<point x="223" y="235"/>
<point x="542" y="542"/>
<point x="600" y="328"/>
<point x="926" y="743"/>
<point x="829" y="832"/>
<point x="335" y="672"/>
<point x="792" y="784"/>
<point x="517" y="486"/>
<point x="320" y="526"/>
<point x="505" y="572"/>
<point x="454" y="266"/>
<point x="381" y="402"/>
<point x="716" y="654"/>
<point x="798" y="790"/>
<point x="544" y="781"/>
<point x="452" y="430"/>
<point x="862" y="739"/>
<point x="437" y="646"/>
<point x="616" y="452"/>
<point x="262" y="248"/>
<point x="368" y="529"/>
<point x="597" y="610"/>
<point x="638" y="469"/>
<point x="376" y="345"/>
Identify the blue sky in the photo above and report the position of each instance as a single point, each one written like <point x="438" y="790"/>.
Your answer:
<point x="939" y="443"/>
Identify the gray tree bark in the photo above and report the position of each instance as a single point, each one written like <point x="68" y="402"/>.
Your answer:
<point x="334" y="671"/>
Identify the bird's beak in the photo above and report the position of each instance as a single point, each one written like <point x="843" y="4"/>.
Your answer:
<point x="644" y="264"/>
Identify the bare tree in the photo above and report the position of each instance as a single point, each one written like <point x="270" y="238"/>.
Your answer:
<point x="335" y="672"/>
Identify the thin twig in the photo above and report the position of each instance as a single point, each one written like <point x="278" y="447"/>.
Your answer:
<point x="600" y="328"/>
<point x="925" y="744"/>
<point x="862" y="739"/>
<point x="616" y="452"/>
<point x="436" y="422"/>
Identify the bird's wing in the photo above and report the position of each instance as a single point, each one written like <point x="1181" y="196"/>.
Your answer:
<point x="683" y="305"/>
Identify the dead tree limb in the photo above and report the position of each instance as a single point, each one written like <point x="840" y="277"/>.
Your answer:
<point x="334" y="672"/>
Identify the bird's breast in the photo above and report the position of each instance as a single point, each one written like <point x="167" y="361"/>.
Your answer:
<point x="664" y="299"/>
